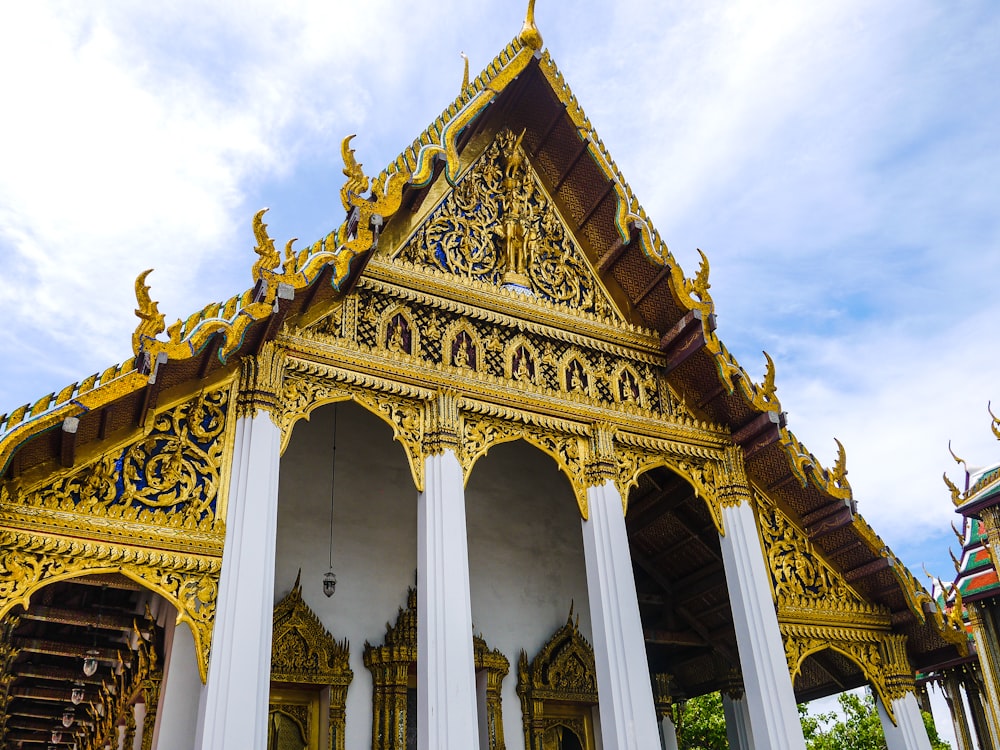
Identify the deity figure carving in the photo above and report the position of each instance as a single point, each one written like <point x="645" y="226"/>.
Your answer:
<point x="398" y="336"/>
<point x="464" y="351"/>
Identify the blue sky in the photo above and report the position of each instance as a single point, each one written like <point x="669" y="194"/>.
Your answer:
<point x="839" y="163"/>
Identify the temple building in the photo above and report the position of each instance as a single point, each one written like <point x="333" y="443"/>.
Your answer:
<point x="474" y="470"/>
<point x="971" y="684"/>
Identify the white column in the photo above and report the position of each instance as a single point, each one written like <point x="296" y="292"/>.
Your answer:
<point x="668" y="734"/>
<point x="774" y="718"/>
<point x="737" y="714"/>
<point x="628" y="718"/>
<point x="180" y="692"/>
<point x="122" y="729"/>
<point x="908" y="733"/>
<point x="235" y="715"/>
<point x="139" y="711"/>
<point x="447" y="718"/>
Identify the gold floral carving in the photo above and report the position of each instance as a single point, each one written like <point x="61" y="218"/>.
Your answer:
<point x="304" y="653"/>
<point x="561" y="675"/>
<point x="499" y="226"/>
<point x="169" y="479"/>
<point x="797" y="571"/>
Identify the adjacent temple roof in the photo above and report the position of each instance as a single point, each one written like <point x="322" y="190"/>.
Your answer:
<point x="523" y="86"/>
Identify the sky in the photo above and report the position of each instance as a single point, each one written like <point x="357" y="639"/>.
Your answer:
<point x="838" y="162"/>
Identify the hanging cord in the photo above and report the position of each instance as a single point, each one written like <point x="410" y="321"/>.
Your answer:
<point x="333" y="481"/>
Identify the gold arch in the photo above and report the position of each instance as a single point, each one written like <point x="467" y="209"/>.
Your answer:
<point x="861" y="655"/>
<point x="699" y="472"/>
<point x="301" y="397"/>
<point x="567" y="450"/>
<point x="201" y="625"/>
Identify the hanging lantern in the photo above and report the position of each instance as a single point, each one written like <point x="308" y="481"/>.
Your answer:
<point x="68" y="716"/>
<point x="90" y="662"/>
<point x="56" y="736"/>
<point x="76" y="695"/>
<point x="329" y="582"/>
<point x="330" y="578"/>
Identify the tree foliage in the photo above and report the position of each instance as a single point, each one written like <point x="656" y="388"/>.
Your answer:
<point x="856" y="726"/>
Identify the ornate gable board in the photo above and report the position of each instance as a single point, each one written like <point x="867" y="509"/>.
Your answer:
<point x="151" y="507"/>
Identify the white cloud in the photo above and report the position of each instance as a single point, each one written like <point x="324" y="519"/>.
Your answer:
<point x="837" y="161"/>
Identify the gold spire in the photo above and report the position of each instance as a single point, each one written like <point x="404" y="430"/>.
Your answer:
<point x="465" y="75"/>
<point x="530" y="36"/>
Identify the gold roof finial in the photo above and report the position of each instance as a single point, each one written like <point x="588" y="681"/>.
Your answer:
<point x="996" y="420"/>
<point x="530" y="36"/>
<point x="465" y="75"/>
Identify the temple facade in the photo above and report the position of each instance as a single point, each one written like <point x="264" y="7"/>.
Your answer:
<point x="472" y="471"/>
<point x="971" y="684"/>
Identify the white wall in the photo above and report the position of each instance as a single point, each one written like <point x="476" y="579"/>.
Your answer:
<point x="375" y="536"/>
<point x="525" y="560"/>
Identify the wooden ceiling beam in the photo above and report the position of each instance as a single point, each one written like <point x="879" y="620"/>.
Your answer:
<point x="116" y="621"/>
<point x="549" y="129"/>
<point x="686" y="337"/>
<point x="603" y="196"/>
<point x="70" y="650"/>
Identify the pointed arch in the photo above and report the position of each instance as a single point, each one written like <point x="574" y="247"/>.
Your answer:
<point x="304" y="394"/>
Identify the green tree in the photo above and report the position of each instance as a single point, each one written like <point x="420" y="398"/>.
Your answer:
<point x="858" y="728"/>
<point x="702" y="724"/>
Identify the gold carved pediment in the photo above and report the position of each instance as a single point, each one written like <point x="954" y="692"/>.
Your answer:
<point x="499" y="227"/>
<point x="562" y="671"/>
<point x="303" y="651"/>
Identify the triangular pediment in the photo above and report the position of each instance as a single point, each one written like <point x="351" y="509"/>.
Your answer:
<point x="498" y="227"/>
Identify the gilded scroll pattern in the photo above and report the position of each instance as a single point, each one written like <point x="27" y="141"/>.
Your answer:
<point x="498" y="226"/>
<point x="169" y="478"/>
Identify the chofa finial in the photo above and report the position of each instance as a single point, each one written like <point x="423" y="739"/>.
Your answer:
<point x="465" y="74"/>
<point x="530" y="36"/>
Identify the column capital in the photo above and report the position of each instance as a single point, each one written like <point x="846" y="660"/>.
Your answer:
<point x="442" y="423"/>
<point x="602" y="465"/>
<point x="260" y="382"/>
<point x="733" y="487"/>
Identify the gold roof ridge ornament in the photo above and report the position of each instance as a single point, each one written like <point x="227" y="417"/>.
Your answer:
<point x="465" y="74"/>
<point x="995" y="426"/>
<point x="530" y="36"/>
<point x="151" y="320"/>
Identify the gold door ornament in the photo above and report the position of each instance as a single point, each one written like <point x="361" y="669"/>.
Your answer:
<point x="305" y="656"/>
<point x="393" y="666"/>
<point x="558" y="691"/>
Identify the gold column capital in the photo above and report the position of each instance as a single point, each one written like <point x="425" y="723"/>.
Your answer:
<point x="442" y="423"/>
<point x="602" y="464"/>
<point x="732" y="485"/>
<point x="260" y="383"/>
